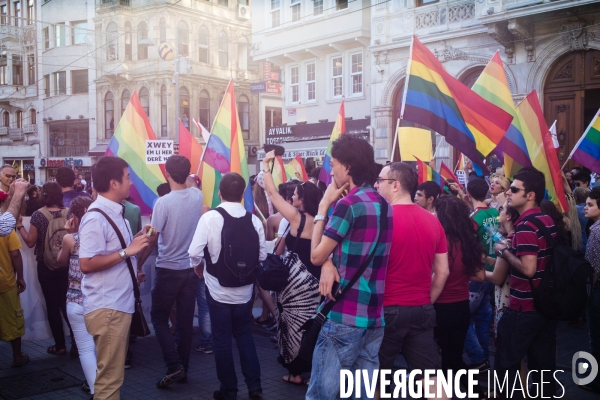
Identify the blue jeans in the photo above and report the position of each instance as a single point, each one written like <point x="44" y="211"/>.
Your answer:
<point x="203" y="316"/>
<point x="174" y="287"/>
<point x="593" y="319"/>
<point x="477" y="343"/>
<point x="342" y="347"/>
<point x="233" y="321"/>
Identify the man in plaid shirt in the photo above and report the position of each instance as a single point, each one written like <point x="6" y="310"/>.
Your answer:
<point x="351" y="234"/>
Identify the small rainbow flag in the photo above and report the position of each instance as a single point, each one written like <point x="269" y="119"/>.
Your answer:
<point x="587" y="150"/>
<point x="189" y="147"/>
<point x="295" y="169"/>
<point x="225" y="153"/>
<point x="129" y="143"/>
<point x="426" y="173"/>
<point x="278" y="173"/>
<point x="338" y="130"/>
<point x="447" y="173"/>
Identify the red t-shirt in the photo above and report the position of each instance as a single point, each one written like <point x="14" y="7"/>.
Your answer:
<point x="417" y="237"/>
<point x="457" y="285"/>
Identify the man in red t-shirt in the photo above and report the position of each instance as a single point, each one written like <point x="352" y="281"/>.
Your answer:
<point x="419" y="250"/>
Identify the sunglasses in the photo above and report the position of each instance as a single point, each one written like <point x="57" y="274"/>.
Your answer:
<point x="515" y="189"/>
<point x="15" y="176"/>
<point x="500" y="209"/>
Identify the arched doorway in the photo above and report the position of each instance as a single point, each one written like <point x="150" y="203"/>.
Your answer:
<point x="572" y="97"/>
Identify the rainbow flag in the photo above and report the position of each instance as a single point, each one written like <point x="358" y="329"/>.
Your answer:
<point x="541" y="149"/>
<point x="129" y="143"/>
<point x="426" y="173"/>
<point x="189" y="147"/>
<point x="278" y="172"/>
<point x="295" y="169"/>
<point x="587" y="150"/>
<point x="447" y="173"/>
<point x="437" y="100"/>
<point x="493" y="86"/>
<point x="338" y="130"/>
<point x="225" y="153"/>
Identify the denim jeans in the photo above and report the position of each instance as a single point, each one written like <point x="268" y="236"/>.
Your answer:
<point x="477" y="342"/>
<point x="342" y="347"/>
<point x="593" y="318"/>
<point x="203" y="316"/>
<point x="233" y="321"/>
<point x="526" y="333"/>
<point x="174" y="287"/>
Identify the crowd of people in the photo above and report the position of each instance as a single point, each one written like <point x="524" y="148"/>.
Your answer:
<point x="439" y="271"/>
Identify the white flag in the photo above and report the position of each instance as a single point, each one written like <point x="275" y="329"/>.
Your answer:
<point x="553" y="134"/>
<point x="203" y="131"/>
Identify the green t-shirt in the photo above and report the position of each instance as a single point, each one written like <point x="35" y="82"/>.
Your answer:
<point x="484" y="217"/>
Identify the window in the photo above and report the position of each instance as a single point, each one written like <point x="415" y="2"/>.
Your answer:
<point x="295" y="84"/>
<point x="5" y="119"/>
<point x="203" y="45"/>
<point x="31" y="69"/>
<point x="356" y="74"/>
<point x="3" y="15"/>
<point x="184" y="106"/>
<point x="425" y="2"/>
<point x="60" y="36"/>
<point x="341" y="4"/>
<point x="223" y="56"/>
<point x="317" y="7"/>
<point x="163" y="30"/>
<point x="3" y="69"/>
<point x="112" y="48"/>
<point x="163" y="111"/>
<point x="275" y="13"/>
<point x="242" y="54"/>
<point x="109" y="115"/>
<point x="243" y="2"/>
<point x="204" y="109"/>
<point x="32" y="116"/>
<point x="223" y="3"/>
<point x="47" y="85"/>
<point x="79" y="81"/>
<point x="60" y="83"/>
<point x="128" y="50"/>
<point x="46" y="34"/>
<point x="310" y="82"/>
<point x="296" y="11"/>
<point x="336" y="76"/>
<point x="244" y="116"/>
<point x="273" y="117"/>
<point x="79" y="32"/>
<point x="30" y="12"/>
<point x="142" y="34"/>
<point x="145" y="100"/>
<point x="19" y="119"/>
<point x="17" y="65"/>
<point x="183" y="39"/>
<point x="17" y="13"/>
<point x="125" y="100"/>
<point x="69" y="138"/>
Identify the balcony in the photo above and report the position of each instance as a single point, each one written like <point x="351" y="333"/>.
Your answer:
<point x="31" y="128"/>
<point x="113" y="5"/>
<point x="15" y="133"/>
<point x="3" y="130"/>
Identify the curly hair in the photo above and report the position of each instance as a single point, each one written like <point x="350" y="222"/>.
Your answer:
<point x="454" y="215"/>
<point x="79" y="206"/>
<point x="311" y="196"/>
<point x="358" y="156"/>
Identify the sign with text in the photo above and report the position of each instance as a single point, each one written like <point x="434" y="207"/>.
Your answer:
<point x="258" y="87"/>
<point x="273" y="88"/>
<point x="157" y="151"/>
<point x="462" y="176"/>
<point x="307" y="132"/>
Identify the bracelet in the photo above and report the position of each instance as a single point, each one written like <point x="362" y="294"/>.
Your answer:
<point x="266" y="171"/>
<point x="19" y="227"/>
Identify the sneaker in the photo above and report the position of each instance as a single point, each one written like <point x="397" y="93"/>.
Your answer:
<point x="481" y="367"/>
<point x="128" y="360"/>
<point x="171" y="377"/>
<point x="204" y="349"/>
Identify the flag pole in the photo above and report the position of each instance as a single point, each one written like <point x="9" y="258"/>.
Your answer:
<point x="260" y="214"/>
<point x="438" y="147"/>
<point x="395" y="140"/>
<point x="405" y="90"/>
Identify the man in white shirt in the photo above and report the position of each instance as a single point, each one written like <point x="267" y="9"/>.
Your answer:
<point x="107" y="287"/>
<point x="230" y="307"/>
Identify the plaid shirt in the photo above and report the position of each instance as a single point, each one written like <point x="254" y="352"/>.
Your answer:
<point x="355" y="225"/>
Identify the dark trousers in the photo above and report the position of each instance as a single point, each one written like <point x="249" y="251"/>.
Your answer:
<point x="54" y="288"/>
<point x="593" y="320"/>
<point x="233" y="321"/>
<point x="526" y="333"/>
<point x="174" y="287"/>
<point x="452" y="324"/>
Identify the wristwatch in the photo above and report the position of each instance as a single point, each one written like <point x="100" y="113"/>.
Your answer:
<point x="319" y="218"/>
<point x="123" y="254"/>
<point x="499" y="252"/>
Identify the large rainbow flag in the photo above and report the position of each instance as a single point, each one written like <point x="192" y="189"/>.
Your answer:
<point x="339" y="128"/>
<point x="541" y="149"/>
<point x="587" y="150"/>
<point x="129" y="143"/>
<point x="295" y="169"/>
<point x="225" y="152"/>
<point x="492" y="85"/>
<point x="426" y="173"/>
<point x="189" y="147"/>
<point x="437" y="100"/>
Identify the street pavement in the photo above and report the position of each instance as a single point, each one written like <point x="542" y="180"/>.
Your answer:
<point x="148" y="368"/>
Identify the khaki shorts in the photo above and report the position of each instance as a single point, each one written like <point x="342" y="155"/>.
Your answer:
<point x="12" y="321"/>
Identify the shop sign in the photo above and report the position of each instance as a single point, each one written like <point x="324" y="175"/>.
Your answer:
<point x="273" y="88"/>
<point x="258" y="87"/>
<point x="304" y="153"/>
<point x="319" y="131"/>
<point x="63" y="162"/>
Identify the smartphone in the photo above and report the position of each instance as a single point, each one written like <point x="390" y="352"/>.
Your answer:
<point x="335" y="289"/>
<point x="150" y="231"/>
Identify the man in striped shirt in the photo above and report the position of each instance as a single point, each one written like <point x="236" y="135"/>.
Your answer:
<point x="12" y="206"/>
<point x="522" y="331"/>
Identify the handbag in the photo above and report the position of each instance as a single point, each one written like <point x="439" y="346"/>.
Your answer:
<point x="273" y="273"/>
<point x="312" y="327"/>
<point x="139" y="326"/>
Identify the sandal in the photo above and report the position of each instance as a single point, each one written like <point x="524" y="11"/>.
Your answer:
<point x="288" y="380"/>
<point x="25" y="360"/>
<point x="56" y="350"/>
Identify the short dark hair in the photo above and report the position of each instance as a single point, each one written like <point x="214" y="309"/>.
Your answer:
<point x="595" y="195"/>
<point x="31" y="189"/>
<point x="533" y="181"/>
<point x="232" y="187"/>
<point x="108" y="168"/>
<point x="357" y="155"/>
<point x="477" y="188"/>
<point x="179" y="168"/>
<point x="65" y="177"/>
<point x="431" y="189"/>
<point x="405" y="175"/>
<point x="582" y="176"/>
<point x="163" y="189"/>
<point x="79" y="206"/>
<point x="52" y="195"/>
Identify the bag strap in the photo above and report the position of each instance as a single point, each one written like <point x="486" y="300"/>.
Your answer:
<point x="382" y="226"/>
<point x="46" y="214"/>
<point x="299" y="232"/>
<point x="136" y="289"/>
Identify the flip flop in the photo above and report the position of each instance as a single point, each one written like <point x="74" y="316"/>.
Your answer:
<point x="25" y="361"/>
<point x="292" y="382"/>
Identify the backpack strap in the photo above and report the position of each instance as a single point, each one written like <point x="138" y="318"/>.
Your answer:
<point x="542" y="228"/>
<point x="299" y="232"/>
<point x="46" y="214"/>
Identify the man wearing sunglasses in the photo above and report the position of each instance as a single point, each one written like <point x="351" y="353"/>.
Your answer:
<point x="582" y="179"/>
<point x="13" y="192"/>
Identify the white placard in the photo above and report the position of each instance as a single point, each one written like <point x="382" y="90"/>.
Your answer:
<point x="157" y="151"/>
<point x="462" y="176"/>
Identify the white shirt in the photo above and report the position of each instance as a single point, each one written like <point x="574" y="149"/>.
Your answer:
<point x="208" y="233"/>
<point x="111" y="288"/>
<point x="7" y="223"/>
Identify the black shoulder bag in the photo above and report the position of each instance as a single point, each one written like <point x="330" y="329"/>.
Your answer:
<point x="139" y="326"/>
<point x="313" y="326"/>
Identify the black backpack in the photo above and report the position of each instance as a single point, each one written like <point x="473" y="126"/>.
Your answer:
<point x="239" y="254"/>
<point x="566" y="282"/>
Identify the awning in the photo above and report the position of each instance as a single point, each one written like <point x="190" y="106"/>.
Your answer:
<point x="98" y="151"/>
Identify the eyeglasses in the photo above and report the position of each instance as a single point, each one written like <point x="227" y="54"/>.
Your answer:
<point x="500" y="209"/>
<point x="514" y="189"/>
<point x="379" y="180"/>
<point x="10" y="176"/>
